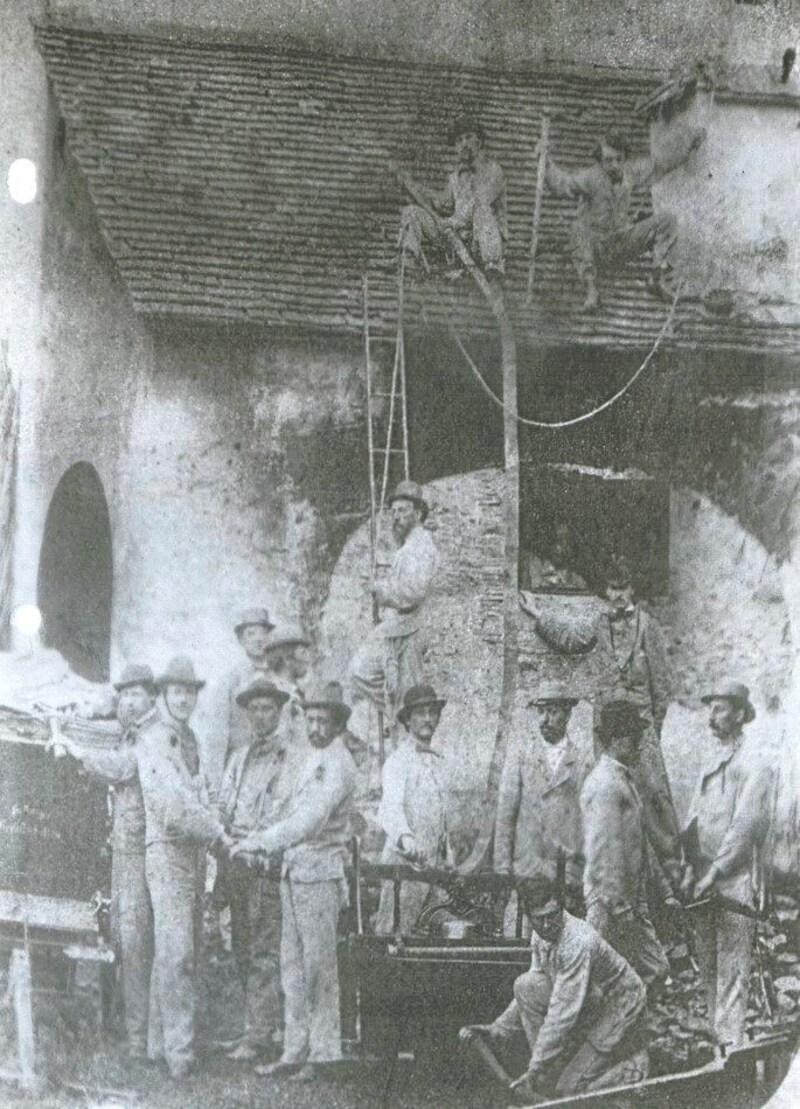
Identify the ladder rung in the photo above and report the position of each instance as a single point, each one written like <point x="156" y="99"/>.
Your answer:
<point x="389" y="450"/>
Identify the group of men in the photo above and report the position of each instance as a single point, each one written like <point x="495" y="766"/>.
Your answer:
<point x="271" y="794"/>
<point x="609" y="228"/>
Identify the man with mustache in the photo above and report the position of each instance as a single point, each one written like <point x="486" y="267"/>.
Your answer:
<point x="132" y="913"/>
<point x="413" y="810"/>
<point x="389" y="661"/>
<point x="581" y="1007"/>
<point x="631" y="665"/>
<point x="312" y="834"/>
<point x="727" y="825"/>
<point x="605" y="233"/>
<point x="473" y="204"/>
<point x="227" y="728"/>
<point x="538" y="804"/>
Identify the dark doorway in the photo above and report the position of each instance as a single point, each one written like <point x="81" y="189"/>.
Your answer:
<point x="76" y="573"/>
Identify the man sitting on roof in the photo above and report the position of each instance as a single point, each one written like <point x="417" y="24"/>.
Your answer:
<point x="472" y="203"/>
<point x="605" y="233"/>
<point x="581" y="1006"/>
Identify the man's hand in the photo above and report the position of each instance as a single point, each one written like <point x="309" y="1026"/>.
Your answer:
<point x="410" y="852"/>
<point x="379" y="593"/>
<point x="705" y="885"/>
<point x="526" y="1084"/>
<point x="470" y="1032"/>
<point x="687" y="883"/>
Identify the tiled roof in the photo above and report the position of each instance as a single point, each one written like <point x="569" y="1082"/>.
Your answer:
<point x="241" y="182"/>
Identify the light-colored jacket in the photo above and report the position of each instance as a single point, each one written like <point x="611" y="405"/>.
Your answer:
<point x="477" y="192"/>
<point x="615" y="840"/>
<point x="583" y="971"/>
<point x="538" y="810"/>
<point x="271" y="762"/>
<point x="119" y="768"/>
<point x="603" y="206"/>
<point x="408" y="582"/>
<point x="732" y="807"/>
<point x="414" y="802"/>
<point x="314" y="832"/>
<point x="176" y="805"/>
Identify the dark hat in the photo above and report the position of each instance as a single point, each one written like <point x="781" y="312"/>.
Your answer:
<point x="537" y="890"/>
<point x="410" y="491"/>
<point x="136" y="674"/>
<point x="328" y="696"/>
<point x="465" y="125"/>
<point x="620" y="718"/>
<point x="733" y="691"/>
<point x="256" y="615"/>
<point x="419" y="695"/>
<point x="620" y="574"/>
<point x="287" y="635"/>
<point x="553" y="691"/>
<point x="180" y="671"/>
<point x="260" y="687"/>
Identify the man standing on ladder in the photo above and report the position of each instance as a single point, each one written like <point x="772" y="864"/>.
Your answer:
<point x="389" y="660"/>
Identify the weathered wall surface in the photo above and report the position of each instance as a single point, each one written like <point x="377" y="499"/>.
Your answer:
<point x="726" y="614"/>
<point x="736" y="201"/>
<point x="497" y="33"/>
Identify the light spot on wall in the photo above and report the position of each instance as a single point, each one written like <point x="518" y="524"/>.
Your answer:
<point x="26" y="619"/>
<point x="22" y="183"/>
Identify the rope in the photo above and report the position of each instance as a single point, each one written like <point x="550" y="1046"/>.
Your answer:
<point x="585" y="415"/>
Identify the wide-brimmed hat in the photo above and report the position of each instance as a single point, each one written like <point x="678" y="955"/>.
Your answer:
<point x="327" y="695"/>
<point x="553" y="691"/>
<point x="287" y="635"/>
<point x="620" y="573"/>
<point x="261" y="687"/>
<point x="180" y="671"/>
<point x="410" y="491"/>
<point x="135" y="674"/>
<point x="249" y="616"/>
<point x="732" y="691"/>
<point x="621" y="718"/>
<point x="419" y="695"/>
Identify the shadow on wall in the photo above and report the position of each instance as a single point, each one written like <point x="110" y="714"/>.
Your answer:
<point x="726" y="613"/>
<point x="75" y="581"/>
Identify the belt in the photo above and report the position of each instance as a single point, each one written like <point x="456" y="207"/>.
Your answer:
<point x="405" y="611"/>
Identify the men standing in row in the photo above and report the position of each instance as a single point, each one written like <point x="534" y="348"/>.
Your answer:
<point x="390" y="660"/>
<point x="727" y="824"/>
<point x="631" y="665"/>
<point x="255" y="788"/>
<point x="605" y="234"/>
<point x="413" y="809"/>
<point x="180" y="827"/>
<point x="538" y="806"/>
<point x="580" y="1006"/>
<point x="131" y="911"/>
<point x="228" y="726"/>
<point x="616" y="845"/>
<point x="313" y="837"/>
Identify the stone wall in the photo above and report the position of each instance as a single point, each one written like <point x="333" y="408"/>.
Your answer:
<point x="726" y="613"/>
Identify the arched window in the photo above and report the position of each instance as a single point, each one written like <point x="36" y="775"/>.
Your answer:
<point x="76" y="573"/>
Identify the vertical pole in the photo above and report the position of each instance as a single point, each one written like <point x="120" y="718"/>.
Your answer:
<point x="19" y="973"/>
<point x="373" y="507"/>
<point x="537" y="205"/>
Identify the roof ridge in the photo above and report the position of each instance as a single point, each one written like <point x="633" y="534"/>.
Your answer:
<point x="290" y="46"/>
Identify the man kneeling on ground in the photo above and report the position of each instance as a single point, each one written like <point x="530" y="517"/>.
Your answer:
<point x="581" y="1006"/>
